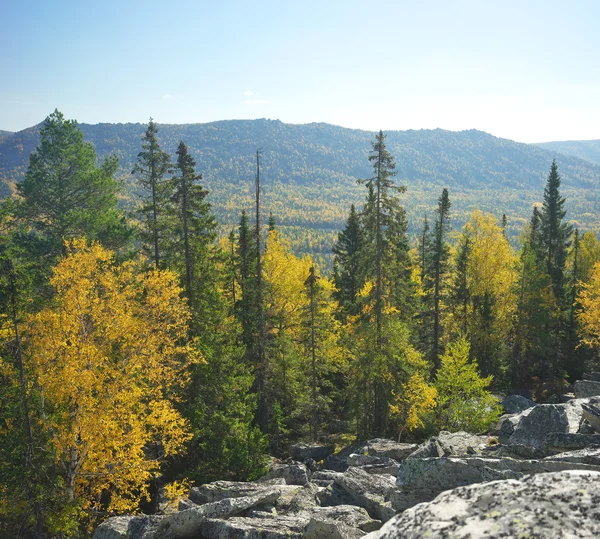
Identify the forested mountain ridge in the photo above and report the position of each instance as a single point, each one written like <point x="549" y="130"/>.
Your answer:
<point x="588" y="150"/>
<point x="310" y="171"/>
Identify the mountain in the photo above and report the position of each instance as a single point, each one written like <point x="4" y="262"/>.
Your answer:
<point x="310" y="172"/>
<point x="583" y="149"/>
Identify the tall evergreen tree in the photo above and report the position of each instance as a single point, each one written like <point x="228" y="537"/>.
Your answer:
<point x="347" y="264"/>
<point x="459" y="293"/>
<point x="555" y="233"/>
<point x="66" y="194"/>
<point x="152" y="167"/>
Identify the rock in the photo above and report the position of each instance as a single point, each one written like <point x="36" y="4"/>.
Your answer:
<point x="188" y="523"/>
<point x="368" y="491"/>
<point x="515" y="404"/>
<point x="563" y="504"/>
<point x="185" y="504"/>
<point x="326" y="475"/>
<point x="514" y="451"/>
<point x="586" y="388"/>
<point x="334" y="495"/>
<point x="382" y="469"/>
<point x="593" y="376"/>
<point x="297" y="498"/>
<point x="589" y="455"/>
<point x="428" y="449"/>
<point x="337" y="462"/>
<point x="294" y="473"/>
<point x="532" y="425"/>
<point x="351" y="515"/>
<point x="506" y="426"/>
<point x="591" y="413"/>
<point x="316" y="452"/>
<point x="559" y="442"/>
<point x="421" y="480"/>
<point x="451" y="444"/>
<point x="128" y="527"/>
<point x="220" y="490"/>
<point x="277" y="527"/>
<point x="380" y="447"/>
<point x="365" y="460"/>
<point x="321" y="528"/>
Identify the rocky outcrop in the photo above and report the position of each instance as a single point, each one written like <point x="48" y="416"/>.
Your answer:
<point x="559" y="442"/>
<point x="451" y="444"/>
<point x="380" y="447"/>
<point x="368" y="491"/>
<point x="532" y="426"/>
<point x="515" y="404"/>
<point x="220" y="490"/>
<point x="562" y="504"/>
<point x="586" y="388"/>
<point x="591" y="414"/>
<point x="294" y="473"/>
<point x="128" y="527"/>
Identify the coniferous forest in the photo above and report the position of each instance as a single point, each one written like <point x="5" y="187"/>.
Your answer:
<point x="146" y="349"/>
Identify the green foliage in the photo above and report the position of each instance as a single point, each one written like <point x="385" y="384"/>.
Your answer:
<point x="464" y="401"/>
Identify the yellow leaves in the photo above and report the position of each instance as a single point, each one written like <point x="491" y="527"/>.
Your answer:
<point x="416" y="400"/>
<point x="589" y="317"/>
<point x="109" y="357"/>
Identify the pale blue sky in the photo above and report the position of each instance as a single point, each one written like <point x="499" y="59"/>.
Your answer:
<point x="525" y="70"/>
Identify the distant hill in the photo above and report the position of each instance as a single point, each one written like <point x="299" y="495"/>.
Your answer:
<point x="310" y="171"/>
<point x="583" y="149"/>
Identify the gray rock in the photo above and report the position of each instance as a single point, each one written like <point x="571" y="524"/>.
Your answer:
<point x="421" y="480"/>
<point x="326" y="475"/>
<point x="559" y="442"/>
<point x="593" y="376"/>
<point x="515" y="404"/>
<point x="563" y="504"/>
<point x="128" y="527"/>
<point x="311" y="451"/>
<point x="277" y="527"/>
<point x="586" y="388"/>
<point x="185" y="504"/>
<point x="451" y="444"/>
<point x="294" y="473"/>
<point x="532" y="425"/>
<point x="351" y="515"/>
<point x="368" y="491"/>
<point x="188" y="523"/>
<point x="220" y="490"/>
<point x="322" y="528"/>
<point x="381" y="447"/>
<point x="428" y="449"/>
<point x="506" y="426"/>
<point x="514" y="451"/>
<point x="591" y="413"/>
<point x="589" y="455"/>
<point x="337" y="462"/>
<point x="365" y="460"/>
<point x="382" y="469"/>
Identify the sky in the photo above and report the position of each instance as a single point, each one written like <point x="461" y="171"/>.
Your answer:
<point x="527" y="70"/>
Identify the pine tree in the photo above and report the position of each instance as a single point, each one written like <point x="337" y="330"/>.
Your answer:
<point x="65" y="194"/>
<point x="151" y="167"/>
<point x="459" y="293"/>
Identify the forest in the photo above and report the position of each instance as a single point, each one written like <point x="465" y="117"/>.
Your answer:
<point x="152" y="346"/>
<point x="311" y="172"/>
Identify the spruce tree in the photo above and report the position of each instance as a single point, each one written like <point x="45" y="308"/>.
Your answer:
<point x="151" y="167"/>
<point x="347" y="264"/>
<point x="459" y="293"/>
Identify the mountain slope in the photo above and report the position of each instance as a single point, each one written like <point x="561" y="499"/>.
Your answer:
<point x="310" y="171"/>
<point x="583" y="149"/>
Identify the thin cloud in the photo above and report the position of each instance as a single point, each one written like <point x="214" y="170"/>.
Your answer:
<point x="256" y="102"/>
<point x="248" y="92"/>
<point x="167" y="96"/>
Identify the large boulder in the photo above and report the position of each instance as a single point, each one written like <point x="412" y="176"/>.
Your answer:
<point x="315" y="452"/>
<point x="188" y="523"/>
<point x="532" y="426"/>
<point x="586" y="388"/>
<point x="128" y="527"/>
<point x="294" y="473"/>
<point x="420" y="480"/>
<point x="560" y="442"/>
<point x="562" y="504"/>
<point x="368" y="491"/>
<point x="274" y="527"/>
<point x="515" y="404"/>
<point x="593" y="376"/>
<point x="321" y="528"/>
<point x="589" y="455"/>
<point x="591" y="413"/>
<point x="381" y="447"/>
<point x="451" y="444"/>
<point x="219" y="490"/>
